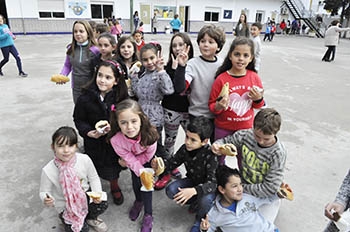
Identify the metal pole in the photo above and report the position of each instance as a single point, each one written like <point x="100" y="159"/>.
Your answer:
<point x="131" y="16"/>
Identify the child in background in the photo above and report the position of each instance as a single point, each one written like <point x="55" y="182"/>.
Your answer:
<point x="200" y="71"/>
<point x="198" y="187"/>
<point x="82" y="57"/>
<point x="175" y="105"/>
<point x="263" y="158"/>
<point x="138" y="37"/>
<point x="116" y="29"/>
<point x="135" y="140"/>
<point x="65" y="181"/>
<point x="255" y="31"/>
<point x="141" y="28"/>
<point x="150" y="86"/>
<point x="107" y="45"/>
<point x="273" y="31"/>
<point x="105" y="92"/>
<point x="93" y="27"/>
<point x="267" y="32"/>
<point x="234" y="210"/>
<point x="235" y="111"/>
<point x="7" y="46"/>
<point x="101" y="28"/>
<point x="127" y="51"/>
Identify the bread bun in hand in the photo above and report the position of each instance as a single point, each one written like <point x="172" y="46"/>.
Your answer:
<point x="101" y="125"/>
<point x="147" y="180"/>
<point x="225" y="90"/>
<point x="135" y="68"/>
<point x="94" y="195"/>
<point x="59" y="78"/>
<point x="285" y="192"/>
<point x="228" y="149"/>
<point x="160" y="166"/>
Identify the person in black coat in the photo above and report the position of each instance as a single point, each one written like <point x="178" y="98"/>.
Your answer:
<point x="99" y="97"/>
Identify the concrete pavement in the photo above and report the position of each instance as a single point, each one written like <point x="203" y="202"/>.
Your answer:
<point x="312" y="97"/>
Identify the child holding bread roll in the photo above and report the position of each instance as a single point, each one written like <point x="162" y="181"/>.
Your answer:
<point x="236" y="91"/>
<point x="263" y="158"/>
<point x="134" y="139"/>
<point x="91" y="118"/>
<point x="65" y="181"/>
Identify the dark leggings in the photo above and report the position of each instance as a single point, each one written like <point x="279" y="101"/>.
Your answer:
<point x="330" y="51"/>
<point x="94" y="211"/>
<point x="6" y="53"/>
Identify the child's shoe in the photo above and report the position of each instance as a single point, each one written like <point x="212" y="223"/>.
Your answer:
<point x="97" y="224"/>
<point x="176" y="173"/>
<point x="147" y="223"/>
<point x="162" y="182"/>
<point x="135" y="210"/>
<point x="196" y="227"/>
<point x="1" y="74"/>
<point x="118" y="197"/>
<point x="22" y="74"/>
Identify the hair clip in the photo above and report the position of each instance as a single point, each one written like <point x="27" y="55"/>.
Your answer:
<point x="156" y="44"/>
<point x="117" y="65"/>
<point x="113" y="107"/>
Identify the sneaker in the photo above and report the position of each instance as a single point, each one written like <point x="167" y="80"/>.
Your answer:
<point x="22" y="74"/>
<point x="162" y="182"/>
<point x="118" y="197"/>
<point x="196" y="227"/>
<point x="97" y="224"/>
<point x="135" y="210"/>
<point x="176" y="173"/>
<point x="147" y="223"/>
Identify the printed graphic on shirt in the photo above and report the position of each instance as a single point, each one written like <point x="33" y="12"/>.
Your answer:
<point x="240" y="104"/>
<point x="254" y="169"/>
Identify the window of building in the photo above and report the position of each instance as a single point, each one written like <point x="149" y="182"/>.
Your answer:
<point x="212" y="14"/>
<point x="51" y="8"/>
<point x="100" y="11"/>
<point x="259" y="16"/>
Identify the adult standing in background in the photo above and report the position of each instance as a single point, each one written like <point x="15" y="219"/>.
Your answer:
<point x="242" y="28"/>
<point x="175" y="23"/>
<point x="154" y="23"/>
<point x="136" y="20"/>
<point x="332" y="39"/>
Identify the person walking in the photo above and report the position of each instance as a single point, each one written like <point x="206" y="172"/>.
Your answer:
<point x="136" y="20"/>
<point x="332" y="39"/>
<point x="175" y="23"/>
<point x="7" y="46"/>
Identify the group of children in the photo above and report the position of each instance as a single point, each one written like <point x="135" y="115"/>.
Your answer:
<point x="185" y="91"/>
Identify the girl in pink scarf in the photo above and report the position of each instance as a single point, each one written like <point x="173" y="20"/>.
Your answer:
<point x="64" y="181"/>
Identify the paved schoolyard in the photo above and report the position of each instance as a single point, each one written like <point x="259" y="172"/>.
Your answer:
<point x="311" y="96"/>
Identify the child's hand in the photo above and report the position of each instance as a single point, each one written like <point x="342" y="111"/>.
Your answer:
<point x="122" y="163"/>
<point x="332" y="208"/>
<point x="49" y="201"/>
<point x="222" y="104"/>
<point x="154" y="163"/>
<point x="94" y="134"/>
<point x="184" y="195"/>
<point x="182" y="57"/>
<point x="97" y="200"/>
<point x="256" y="93"/>
<point x="215" y="148"/>
<point x="205" y="223"/>
<point x="160" y="62"/>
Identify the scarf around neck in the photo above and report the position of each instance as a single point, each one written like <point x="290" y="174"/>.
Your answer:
<point x="74" y="195"/>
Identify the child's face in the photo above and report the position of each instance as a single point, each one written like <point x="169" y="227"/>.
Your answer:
<point x="178" y="45"/>
<point x="240" y="57"/>
<point x="138" y="37"/>
<point x="64" y="152"/>
<point x="149" y="59"/>
<point x="208" y="47"/>
<point x="233" y="190"/>
<point x="264" y="140"/>
<point x="129" y="123"/>
<point x="106" y="48"/>
<point x="1" y="20"/>
<point x="193" y="141"/>
<point x="105" y="79"/>
<point x="127" y="50"/>
<point x="254" y="31"/>
<point x="80" y="33"/>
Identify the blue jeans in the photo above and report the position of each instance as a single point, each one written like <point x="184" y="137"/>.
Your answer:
<point x="6" y="54"/>
<point x="204" y="202"/>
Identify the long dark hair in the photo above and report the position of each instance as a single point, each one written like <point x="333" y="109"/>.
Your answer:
<point x="64" y="135"/>
<point x="227" y="64"/>
<point x="120" y="90"/>
<point x="187" y="40"/>
<point x="121" y="41"/>
<point x="148" y="132"/>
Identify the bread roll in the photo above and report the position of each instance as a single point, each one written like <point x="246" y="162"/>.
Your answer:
<point x="59" y="78"/>
<point x="147" y="180"/>
<point x="100" y="125"/>
<point x="285" y="192"/>
<point x="161" y="167"/>
<point x="228" y="149"/>
<point x="225" y="90"/>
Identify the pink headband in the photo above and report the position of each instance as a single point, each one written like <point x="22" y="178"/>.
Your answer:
<point x="115" y="64"/>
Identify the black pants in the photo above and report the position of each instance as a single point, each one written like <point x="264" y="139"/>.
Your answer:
<point x="330" y="51"/>
<point x="94" y="211"/>
<point x="267" y="36"/>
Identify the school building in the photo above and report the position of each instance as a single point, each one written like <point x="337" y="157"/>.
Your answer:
<point x="57" y="16"/>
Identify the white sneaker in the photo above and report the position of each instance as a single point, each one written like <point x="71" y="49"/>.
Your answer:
<point x="97" y="224"/>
